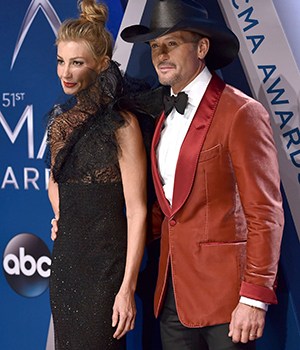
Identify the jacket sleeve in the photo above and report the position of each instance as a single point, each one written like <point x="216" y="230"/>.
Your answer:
<point x="254" y="159"/>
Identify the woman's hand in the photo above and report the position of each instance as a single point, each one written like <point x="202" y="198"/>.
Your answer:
<point x="124" y="312"/>
<point x="54" y="229"/>
<point x="53" y="193"/>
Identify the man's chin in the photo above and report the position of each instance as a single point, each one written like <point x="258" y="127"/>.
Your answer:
<point x="165" y="81"/>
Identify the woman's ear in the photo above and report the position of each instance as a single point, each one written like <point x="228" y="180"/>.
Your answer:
<point x="103" y="63"/>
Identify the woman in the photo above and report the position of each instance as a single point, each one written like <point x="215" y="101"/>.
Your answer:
<point x="98" y="168"/>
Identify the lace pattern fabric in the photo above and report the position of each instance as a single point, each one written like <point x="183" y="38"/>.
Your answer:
<point x="82" y="139"/>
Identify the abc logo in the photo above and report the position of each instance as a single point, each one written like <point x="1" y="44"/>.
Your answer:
<point x="26" y="264"/>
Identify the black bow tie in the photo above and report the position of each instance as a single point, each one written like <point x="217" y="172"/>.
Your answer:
<point x="179" y="102"/>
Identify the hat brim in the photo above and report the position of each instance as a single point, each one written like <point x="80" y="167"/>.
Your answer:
<point x="224" y="45"/>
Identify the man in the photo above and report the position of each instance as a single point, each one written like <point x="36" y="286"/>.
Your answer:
<point x="216" y="177"/>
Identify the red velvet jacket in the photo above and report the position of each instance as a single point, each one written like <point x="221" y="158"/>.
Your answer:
<point x="222" y="234"/>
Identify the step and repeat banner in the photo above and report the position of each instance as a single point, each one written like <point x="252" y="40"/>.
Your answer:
<point x="267" y="68"/>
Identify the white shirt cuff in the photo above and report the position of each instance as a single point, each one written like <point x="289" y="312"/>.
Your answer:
<point x="255" y="303"/>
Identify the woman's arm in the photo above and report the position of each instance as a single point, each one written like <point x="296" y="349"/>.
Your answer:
<point x="133" y="171"/>
<point x="54" y="200"/>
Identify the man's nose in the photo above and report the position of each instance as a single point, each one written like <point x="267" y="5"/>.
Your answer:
<point x="163" y="51"/>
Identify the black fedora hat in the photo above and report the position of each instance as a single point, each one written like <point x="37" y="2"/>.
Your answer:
<point x="172" y="15"/>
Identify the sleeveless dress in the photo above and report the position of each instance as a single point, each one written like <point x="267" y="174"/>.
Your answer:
<point x="89" y="254"/>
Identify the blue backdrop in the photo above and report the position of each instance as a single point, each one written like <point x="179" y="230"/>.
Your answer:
<point x="28" y="89"/>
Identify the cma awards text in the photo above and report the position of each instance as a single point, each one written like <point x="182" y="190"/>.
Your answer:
<point x="20" y="139"/>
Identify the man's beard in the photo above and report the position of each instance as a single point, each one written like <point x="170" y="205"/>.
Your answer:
<point x="171" y="81"/>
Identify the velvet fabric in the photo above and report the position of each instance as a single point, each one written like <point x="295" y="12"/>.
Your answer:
<point x="221" y="237"/>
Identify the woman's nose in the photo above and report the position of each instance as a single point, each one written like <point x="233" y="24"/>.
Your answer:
<point x="66" y="72"/>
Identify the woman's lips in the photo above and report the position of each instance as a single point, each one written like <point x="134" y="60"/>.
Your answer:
<point x="69" y="85"/>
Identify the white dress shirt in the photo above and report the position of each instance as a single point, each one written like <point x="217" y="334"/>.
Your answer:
<point x="174" y="131"/>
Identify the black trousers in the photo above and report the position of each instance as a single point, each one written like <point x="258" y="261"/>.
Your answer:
<point x="175" y="336"/>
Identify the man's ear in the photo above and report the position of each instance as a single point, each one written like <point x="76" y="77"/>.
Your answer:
<point x="203" y="47"/>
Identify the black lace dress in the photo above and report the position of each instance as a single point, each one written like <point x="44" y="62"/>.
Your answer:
<point x="89" y="253"/>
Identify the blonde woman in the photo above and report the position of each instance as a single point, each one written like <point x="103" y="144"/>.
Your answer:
<point x="97" y="190"/>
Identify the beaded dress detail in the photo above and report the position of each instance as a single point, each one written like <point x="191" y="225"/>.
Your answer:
<point x="89" y="254"/>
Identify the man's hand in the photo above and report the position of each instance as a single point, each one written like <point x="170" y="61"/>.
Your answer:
<point x="247" y="323"/>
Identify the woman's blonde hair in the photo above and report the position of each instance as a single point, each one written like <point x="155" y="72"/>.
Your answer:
<point x="89" y="27"/>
